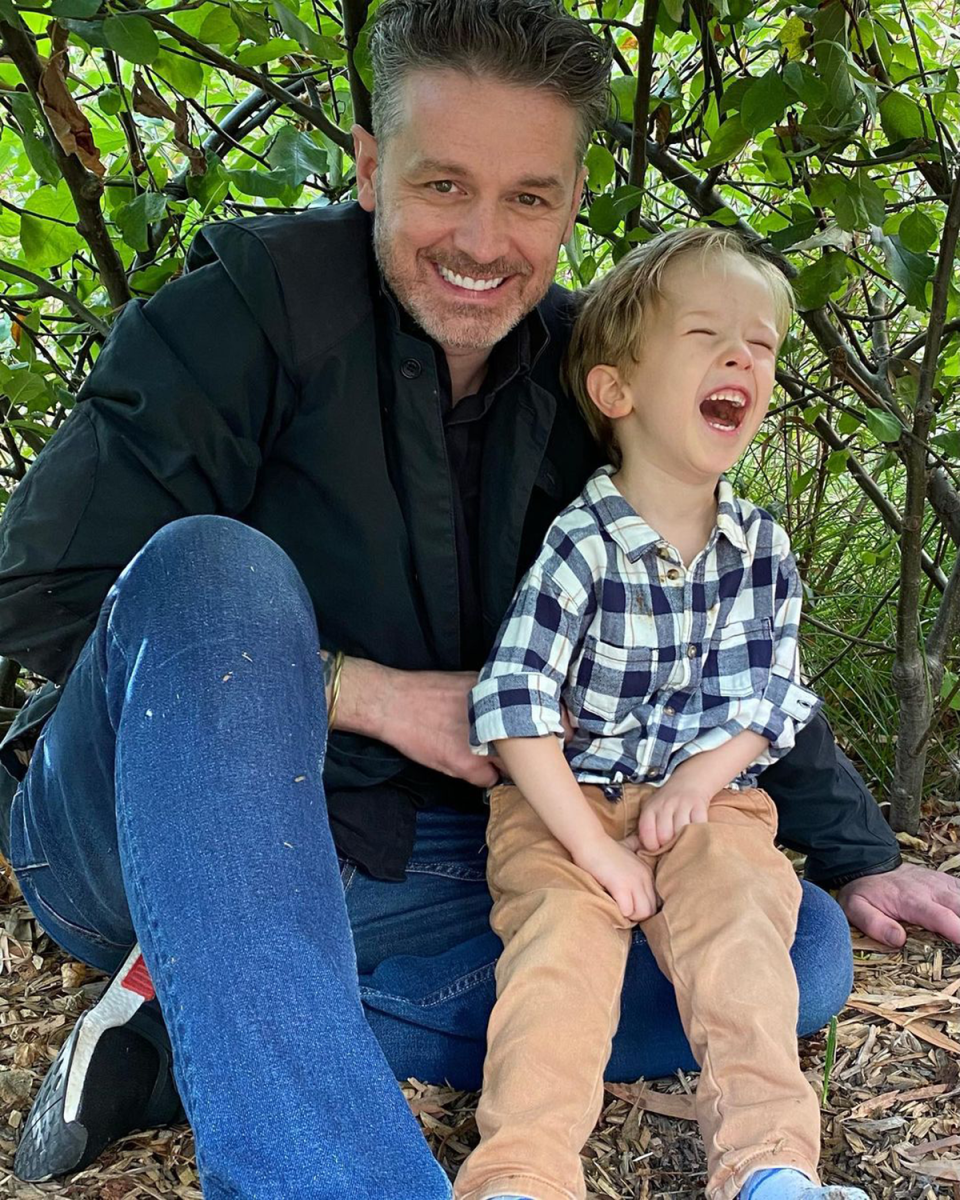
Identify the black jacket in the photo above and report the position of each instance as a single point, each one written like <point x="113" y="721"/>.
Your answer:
<point x="253" y="388"/>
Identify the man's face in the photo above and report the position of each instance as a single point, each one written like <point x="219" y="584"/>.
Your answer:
<point x="473" y="196"/>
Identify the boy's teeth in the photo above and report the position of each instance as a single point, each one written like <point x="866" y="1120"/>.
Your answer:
<point x="472" y="285"/>
<point x="735" y="398"/>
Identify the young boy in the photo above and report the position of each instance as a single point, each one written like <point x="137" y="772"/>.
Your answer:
<point x="662" y="612"/>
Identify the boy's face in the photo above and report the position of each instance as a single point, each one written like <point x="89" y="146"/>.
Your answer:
<point x="706" y="371"/>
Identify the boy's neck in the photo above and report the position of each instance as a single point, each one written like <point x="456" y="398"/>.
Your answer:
<point x="681" y="511"/>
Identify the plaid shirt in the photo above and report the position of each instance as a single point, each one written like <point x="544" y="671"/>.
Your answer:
<point x="654" y="661"/>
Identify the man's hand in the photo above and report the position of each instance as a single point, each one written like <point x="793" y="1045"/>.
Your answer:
<point x="423" y="714"/>
<point x="615" y="866"/>
<point x="877" y="904"/>
<point x="666" y="812"/>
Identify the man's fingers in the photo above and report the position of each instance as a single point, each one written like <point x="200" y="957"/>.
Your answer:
<point x="936" y="917"/>
<point x="875" y="924"/>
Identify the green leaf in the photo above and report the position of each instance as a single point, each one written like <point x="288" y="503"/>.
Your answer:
<point x="948" y="443"/>
<point x="8" y="12"/>
<point x="728" y="141"/>
<point x="794" y="37"/>
<point x="218" y="28"/>
<point x="152" y="278"/>
<point x="133" y="218"/>
<point x="110" y="101"/>
<point x="816" y="284"/>
<point x="256" y="56"/>
<point x="297" y="154"/>
<point x="321" y="47"/>
<point x="80" y="9"/>
<point x="917" y="232"/>
<point x="837" y="462"/>
<point x="775" y="162"/>
<point x="623" y="91"/>
<point x="901" y="117"/>
<point x="209" y="188"/>
<point x="859" y="202"/>
<point x="883" y="425"/>
<point x="911" y="271"/>
<point x="847" y="424"/>
<point x="22" y="386"/>
<point x="802" y="80"/>
<point x="764" y="102"/>
<point x="266" y="184"/>
<point x="601" y="168"/>
<point x="132" y="38"/>
<point x="35" y="143"/>
<point x="183" y="74"/>
<point x="251" y="22"/>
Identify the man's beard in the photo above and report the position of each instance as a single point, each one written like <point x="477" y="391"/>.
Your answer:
<point x="454" y="326"/>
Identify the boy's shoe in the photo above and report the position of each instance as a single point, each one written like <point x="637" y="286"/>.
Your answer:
<point x="113" y="1075"/>
<point x="783" y="1183"/>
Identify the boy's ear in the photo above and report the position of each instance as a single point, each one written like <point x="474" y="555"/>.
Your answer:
<point x="607" y="390"/>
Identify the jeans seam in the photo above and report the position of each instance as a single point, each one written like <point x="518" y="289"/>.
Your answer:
<point x="81" y="930"/>
<point x="464" y="984"/>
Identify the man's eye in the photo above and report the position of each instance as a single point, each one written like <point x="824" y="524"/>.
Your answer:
<point x="443" y="186"/>
<point x="528" y="200"/>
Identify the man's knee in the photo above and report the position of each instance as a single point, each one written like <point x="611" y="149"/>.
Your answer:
<point x="215" y="564"/>
<point x="822" y="958"/>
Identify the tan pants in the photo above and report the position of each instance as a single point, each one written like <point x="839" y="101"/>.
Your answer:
<point x="722" y="937"/>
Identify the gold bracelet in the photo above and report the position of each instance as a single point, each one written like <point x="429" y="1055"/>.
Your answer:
<point x="335" y="690"/>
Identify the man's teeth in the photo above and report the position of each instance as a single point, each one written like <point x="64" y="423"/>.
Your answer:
<point x="472" y="285"/>
<point x="735" y="398"/>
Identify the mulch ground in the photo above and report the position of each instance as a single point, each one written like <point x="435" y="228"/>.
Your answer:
<point x="891" y="1114"/>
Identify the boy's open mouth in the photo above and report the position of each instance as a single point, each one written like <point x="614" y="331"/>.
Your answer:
<point x="724" y="409"/>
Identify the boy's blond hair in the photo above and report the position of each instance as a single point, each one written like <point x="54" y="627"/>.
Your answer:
<point x="610" y="324"/>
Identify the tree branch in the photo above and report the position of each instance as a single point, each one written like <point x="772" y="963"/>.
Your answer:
<point x="316" y="116"/>
<point x="641" y="105"/>
<point x="354" y="16"/>
<point x="85" y="187"/>
<point x="48" y="289"/>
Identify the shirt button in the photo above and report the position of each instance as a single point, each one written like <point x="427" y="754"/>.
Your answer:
<point x="653" y="771"/>
<point x="673" y="573"/>
<point x="691" y="651"/>
<point x="410" y="368"/>
<point x="663" y="551"/>
<point x="670" y="712"/>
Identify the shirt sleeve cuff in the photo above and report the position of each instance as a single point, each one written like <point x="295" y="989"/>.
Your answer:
<point x="506" y="706"/>
<point x="784" y="709"/>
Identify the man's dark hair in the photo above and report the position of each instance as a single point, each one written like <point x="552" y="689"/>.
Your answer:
<point x="529" y="43"/>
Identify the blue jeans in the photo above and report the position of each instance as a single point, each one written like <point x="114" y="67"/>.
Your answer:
<point x="175" y="797"/>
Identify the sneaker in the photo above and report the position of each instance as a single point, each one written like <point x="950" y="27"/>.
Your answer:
<point x="113" y="1075"/>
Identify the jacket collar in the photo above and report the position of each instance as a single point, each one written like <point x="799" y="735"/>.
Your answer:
<point x="631" y="532"/>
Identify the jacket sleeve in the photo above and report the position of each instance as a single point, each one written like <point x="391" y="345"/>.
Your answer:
<point x="170" y="423"/>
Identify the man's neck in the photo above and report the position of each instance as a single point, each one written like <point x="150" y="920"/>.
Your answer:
<point x="683" y="512"/>
<point x="468" y="369"/>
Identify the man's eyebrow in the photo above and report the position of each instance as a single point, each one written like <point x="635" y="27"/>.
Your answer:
<point x="443" y="167"/>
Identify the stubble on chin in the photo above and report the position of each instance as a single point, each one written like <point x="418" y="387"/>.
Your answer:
<point x="453" y="326"/>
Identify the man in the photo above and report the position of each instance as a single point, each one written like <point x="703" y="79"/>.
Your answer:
<point x="301" y="437"/>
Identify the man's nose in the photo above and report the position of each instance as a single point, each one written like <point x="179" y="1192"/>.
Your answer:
<point x="482" y="234"/>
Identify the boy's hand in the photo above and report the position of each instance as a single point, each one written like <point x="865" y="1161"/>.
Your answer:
<point x="615" y="866"/>
<point x="668" y="810"/>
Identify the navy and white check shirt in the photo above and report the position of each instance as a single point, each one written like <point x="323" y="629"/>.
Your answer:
<point x="654" y="661"/>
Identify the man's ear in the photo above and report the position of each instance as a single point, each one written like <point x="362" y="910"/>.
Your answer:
<point x="607" y="390"/>
<point x="365" y="153"/>
<point x="575" y="208"/>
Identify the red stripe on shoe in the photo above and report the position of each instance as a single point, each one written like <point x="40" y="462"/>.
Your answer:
<point x="138" y="980"/>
